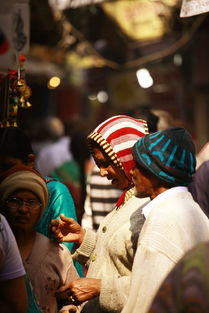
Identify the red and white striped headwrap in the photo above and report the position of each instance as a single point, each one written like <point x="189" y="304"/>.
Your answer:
<point x="116" y="136"/>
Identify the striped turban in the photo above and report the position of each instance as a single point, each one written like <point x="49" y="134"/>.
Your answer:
<point x="116" y="136"/>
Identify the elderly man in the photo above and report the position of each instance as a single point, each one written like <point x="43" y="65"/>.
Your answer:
<point x="174" y="222"/>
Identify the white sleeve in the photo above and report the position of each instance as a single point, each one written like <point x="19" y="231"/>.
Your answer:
<point x="149" y="270"/>
<point x="11" y="265"/>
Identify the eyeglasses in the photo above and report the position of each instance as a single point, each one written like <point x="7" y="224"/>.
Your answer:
<point x="16" y="203"/>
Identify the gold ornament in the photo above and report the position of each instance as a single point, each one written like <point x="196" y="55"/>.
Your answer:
<point x="27" y="92"/>
<point x="20" y="86"/>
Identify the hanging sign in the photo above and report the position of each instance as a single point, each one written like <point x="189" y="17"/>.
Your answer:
<point x="14" y="32"/>
<point x="6" y="47"/>
<point x="194" y="7"/>
<point x="21" y="24"/>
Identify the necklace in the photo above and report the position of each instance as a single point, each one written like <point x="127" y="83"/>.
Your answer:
<point x="126" y="196"/>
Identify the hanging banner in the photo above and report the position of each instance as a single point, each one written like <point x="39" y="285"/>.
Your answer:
<point x="194" y="7"/>
<point x="21" y="25"/>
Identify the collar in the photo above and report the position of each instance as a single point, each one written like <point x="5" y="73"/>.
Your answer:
<point x="125" y="196"/>
<point x="147" y="209"/>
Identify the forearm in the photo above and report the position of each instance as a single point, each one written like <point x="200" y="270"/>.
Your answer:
<point x="84" y="251"/>
<point x="13" y="294"/>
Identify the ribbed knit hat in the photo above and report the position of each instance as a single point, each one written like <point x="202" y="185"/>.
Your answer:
<point x="168" y="154"/>
<point x="116" y="136"/>
<point x="23" y="177"/>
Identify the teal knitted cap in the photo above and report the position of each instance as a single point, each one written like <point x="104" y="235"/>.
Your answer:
<point x="168" y="154"/>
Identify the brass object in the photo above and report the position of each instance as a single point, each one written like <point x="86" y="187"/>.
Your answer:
<point x="14" y="94"/>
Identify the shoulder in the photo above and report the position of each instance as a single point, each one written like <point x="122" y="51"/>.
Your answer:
<point x="55" y="185"/>
<point x="4" y="237"/>
<point x="137" y="202"/>
<point x="58" y="253"/>
<point x="177" y="210"/>
<point x="201" y="175"/>
<point x="5" y="230"/>
<point x="176" y="201"/>
<point x="3" y="221"/>
<point x="10" y="260"/>
<point x="60" y="200"/>
<point x="48" y="247"/>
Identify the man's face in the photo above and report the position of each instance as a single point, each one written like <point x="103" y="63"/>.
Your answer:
<point x="110" y="170"/>
<point x="143" y="182"/>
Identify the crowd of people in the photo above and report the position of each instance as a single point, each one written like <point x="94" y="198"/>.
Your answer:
<point x="141" y="244"/>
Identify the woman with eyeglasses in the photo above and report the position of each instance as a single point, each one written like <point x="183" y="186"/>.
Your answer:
<point x="48" y="265"/>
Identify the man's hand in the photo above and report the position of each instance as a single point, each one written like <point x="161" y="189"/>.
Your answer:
<point x="67" y="229"/>
<point x="82" y="289"/>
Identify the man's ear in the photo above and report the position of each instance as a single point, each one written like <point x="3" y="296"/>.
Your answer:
<point x="30" y="160"/>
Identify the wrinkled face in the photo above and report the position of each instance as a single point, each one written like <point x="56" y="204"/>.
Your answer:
<point x="109" y="170"/>
<point x="23" y="210"/>
<point x="143" y="182"/>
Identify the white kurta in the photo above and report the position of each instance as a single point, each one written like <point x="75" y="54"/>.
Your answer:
<point x="173" y="226"/>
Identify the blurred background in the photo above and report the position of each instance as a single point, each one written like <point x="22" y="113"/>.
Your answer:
<point x="89" y="59"/>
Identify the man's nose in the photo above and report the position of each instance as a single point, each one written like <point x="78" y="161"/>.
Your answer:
<point x="24" y="207"/>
